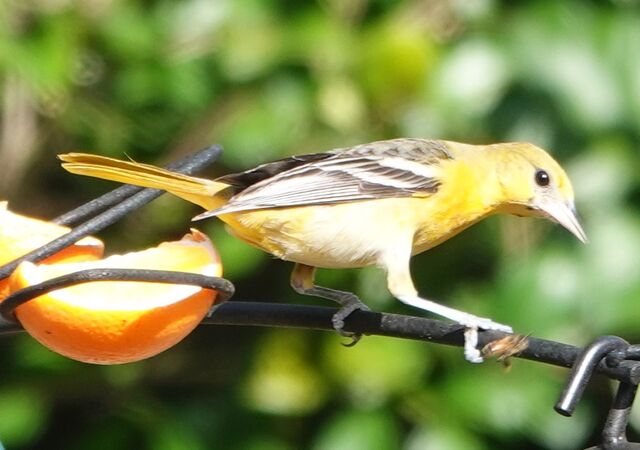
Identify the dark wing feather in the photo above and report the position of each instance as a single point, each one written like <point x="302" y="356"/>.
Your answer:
<point x="247" y="178"/>
<point x="386" y="169"/>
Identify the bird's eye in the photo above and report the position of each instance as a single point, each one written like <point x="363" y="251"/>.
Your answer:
<point x="542" y="177"/>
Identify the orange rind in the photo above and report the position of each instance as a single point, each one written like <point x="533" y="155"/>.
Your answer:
<point x="114" y="322"/>
<point x="20" y="235"/>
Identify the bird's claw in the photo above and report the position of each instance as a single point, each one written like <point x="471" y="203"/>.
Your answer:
<point x="355" y="338"/>
<point x="338" y="321"/>
<point x="472" y="325"/>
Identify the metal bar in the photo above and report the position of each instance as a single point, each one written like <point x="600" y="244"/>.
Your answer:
<point x="366" y="322"/>
<point x="615" y="428"/>
<point x="8" y="305"/>
<point x="97" y="205"/>
<point x="401" y="326"/>
<point x="582" y="370"/>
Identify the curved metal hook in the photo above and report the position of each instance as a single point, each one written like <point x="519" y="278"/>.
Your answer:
<point x="582" y="370"/>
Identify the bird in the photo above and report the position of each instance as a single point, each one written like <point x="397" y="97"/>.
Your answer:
<point x="374" y="204"/>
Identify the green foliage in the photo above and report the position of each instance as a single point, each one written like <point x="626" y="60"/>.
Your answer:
<point x="23" y="414"/>
<point x="357" y="429"/>
<point x="156" y="79"/>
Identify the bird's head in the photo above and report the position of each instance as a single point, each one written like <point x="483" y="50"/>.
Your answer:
<point x="534" y="184"/>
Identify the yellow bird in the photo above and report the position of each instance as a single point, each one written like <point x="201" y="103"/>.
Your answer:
<point x="374" y="204"/>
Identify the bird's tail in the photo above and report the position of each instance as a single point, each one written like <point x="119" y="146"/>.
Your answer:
<point x="206" y="193"/>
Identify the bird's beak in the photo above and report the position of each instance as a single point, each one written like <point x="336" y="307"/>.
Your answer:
<point x="565" y="214"/>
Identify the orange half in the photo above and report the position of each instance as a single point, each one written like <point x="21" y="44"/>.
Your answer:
<point x="114" y="322"/>
<point x="20" y="235"/>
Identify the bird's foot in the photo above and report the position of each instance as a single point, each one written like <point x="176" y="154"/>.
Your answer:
<point x="353" y="304"/>
<point x="470" y="322"/>
<point x="471" y="352"/>
<point x="482" y="323"/>
<point x="472" y="325"/>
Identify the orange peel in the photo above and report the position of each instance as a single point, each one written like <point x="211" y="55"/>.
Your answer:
<point x="20" y="235"/>
<point x="114" y="322"/>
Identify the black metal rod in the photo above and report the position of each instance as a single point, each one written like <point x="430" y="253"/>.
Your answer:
<point x="615" y="428"/>
<point x="8" y="305"/>
<point x="190" y="165"/>
<point x="401" y="326"/>
<point x="97" y="205"/>
<point x="632" y="352"/>
<point x="262" y="314"/>
<point x="582" y="370"/>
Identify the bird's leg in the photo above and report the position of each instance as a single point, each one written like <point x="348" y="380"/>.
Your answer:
<point x="401" y="286"/>
<point x="302" y="281"/>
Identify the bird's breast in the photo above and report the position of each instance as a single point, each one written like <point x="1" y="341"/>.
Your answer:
<point x="353" y="234"/>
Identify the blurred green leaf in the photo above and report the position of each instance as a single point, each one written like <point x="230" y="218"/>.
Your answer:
<point x="265" y="443"/>
<point x="24" y="413"/>
<point x="109" y="433"/>
<point x="360" y="429"/>
<point x="253" y="40"/>
<point x="266" y="122"/>
<point x="174" y="436"/>
<point x="33" y="356"/>
<point x="396" y="60"/>
<point x="443" y="438"/>
<point x="376" y="368"/>
<point x="129" y="34"/>
<point x="283" y="380"/>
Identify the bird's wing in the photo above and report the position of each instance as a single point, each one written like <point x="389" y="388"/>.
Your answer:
<point x="373" y="171"/>
<point x="249" y="177"/>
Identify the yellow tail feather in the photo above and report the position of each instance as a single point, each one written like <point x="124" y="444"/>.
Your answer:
<point x="206" y="193"/>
